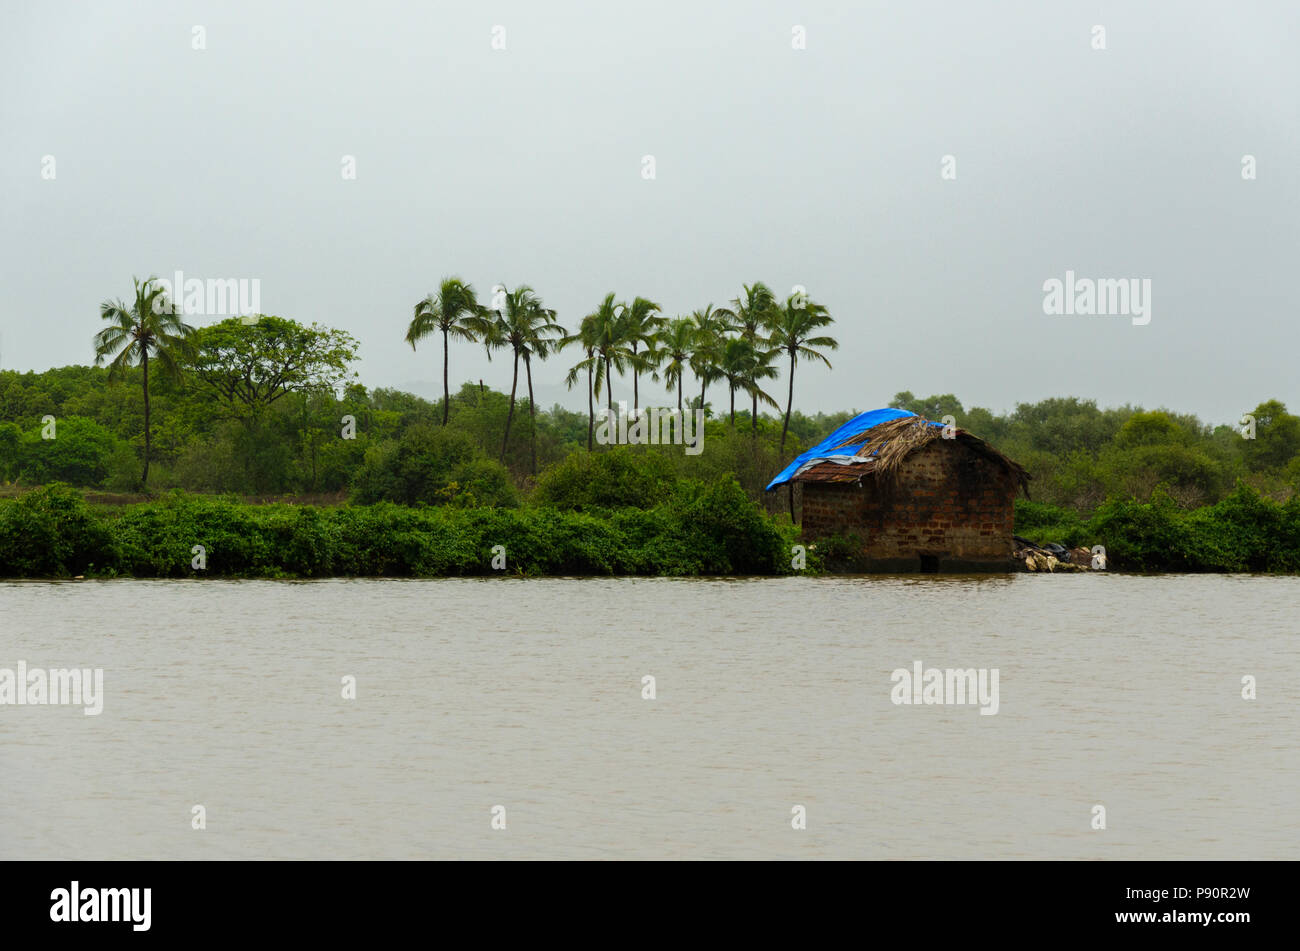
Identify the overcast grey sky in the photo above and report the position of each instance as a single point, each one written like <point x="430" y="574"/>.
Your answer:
<point x="817" y="166"/>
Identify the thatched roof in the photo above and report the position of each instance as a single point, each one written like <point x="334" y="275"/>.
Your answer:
<point x="851" y="453"/>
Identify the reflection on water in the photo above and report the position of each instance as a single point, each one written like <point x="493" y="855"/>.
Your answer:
<point x="1123" y="691"/>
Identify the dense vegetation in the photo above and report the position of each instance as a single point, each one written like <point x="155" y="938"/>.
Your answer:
<point x="1244" y="531"/>
<point x="693" y="530"/>
<point x="268" y="410"/>
<point x="264" y="406"/>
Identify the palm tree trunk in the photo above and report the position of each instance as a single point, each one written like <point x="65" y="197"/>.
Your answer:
<point x="635" y="398"/>
<point x="591" y="410"/>
<point x="514" y="385"/>
<point x="679" y="391"/>
<point x="754" y="414"/>
<point x="703" y="386"/>
<point x="144" y="363"/>
<point x="609" y="398"/>
<point x="532" y="417"/>
<point x="789" y="402"/>
<point x="446" y="394"/>
<point x="733" y="404"/>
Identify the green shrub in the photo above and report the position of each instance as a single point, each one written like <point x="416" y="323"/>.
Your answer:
<point x="1144" y="536"/>
<point x="733" y="535"/>
<point x="698" y="529"/>
<point x="1043" y="523"/>
<point x="1243" y="532"/>
<point x="158" y="538"/>
<point x="433" y="466"/>
<point x="80" y="453"/>
<point x="51" y="533"/>
<point x="11" y="437"/>
<point x="481" y="482"/>
<point x="618" y="477"/>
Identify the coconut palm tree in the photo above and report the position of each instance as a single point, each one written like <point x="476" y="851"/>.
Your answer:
<point x="637" y="328"/>
<point x="752" y="312"/>
<point x="711" y="325"/>
<point x="743" y="366"/>
<point x="529" y="330"/>
<point x="674" y="348"/>
<point x="733" y="358"/>
<point x="547" y="340"/>
<point x="611" y="351"/>
<point x="454" y="312"/>
<point x="762" y="368"/>
<point x="794" y="331"/>
<point x="587" y="338"/>
<point x="150" y="328"/>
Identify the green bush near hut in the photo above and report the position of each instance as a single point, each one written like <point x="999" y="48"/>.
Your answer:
<point x="1245" y="531"/>
<point x="1042" y="523"/>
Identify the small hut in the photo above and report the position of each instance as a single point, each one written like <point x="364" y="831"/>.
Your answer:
<point x="914" y="495"/>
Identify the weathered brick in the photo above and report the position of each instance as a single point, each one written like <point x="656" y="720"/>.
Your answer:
<point x="933" y="509"/>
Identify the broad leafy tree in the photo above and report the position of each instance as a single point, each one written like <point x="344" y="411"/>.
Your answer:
<point x="252" y="363"/>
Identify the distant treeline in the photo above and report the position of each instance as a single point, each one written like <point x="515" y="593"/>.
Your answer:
<point x="266" y="406"/>
<point x="262" y="405"/>
<point x="265" y="409"/>
<point x="1079" y="455"/>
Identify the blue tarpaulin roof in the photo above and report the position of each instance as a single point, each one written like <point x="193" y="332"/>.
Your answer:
<point x="827" y="451"/>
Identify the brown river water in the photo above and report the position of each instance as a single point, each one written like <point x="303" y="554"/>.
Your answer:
<point x="770" y="694"/>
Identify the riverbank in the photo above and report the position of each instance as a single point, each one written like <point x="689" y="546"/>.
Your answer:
<point x="696" y="529"/>
<point x="1243" y="532"/>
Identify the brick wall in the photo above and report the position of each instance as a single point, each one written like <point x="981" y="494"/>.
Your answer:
<point x="948" y="503"/>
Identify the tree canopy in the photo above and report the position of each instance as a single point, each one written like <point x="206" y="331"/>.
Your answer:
<point x="251" y="364"/>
